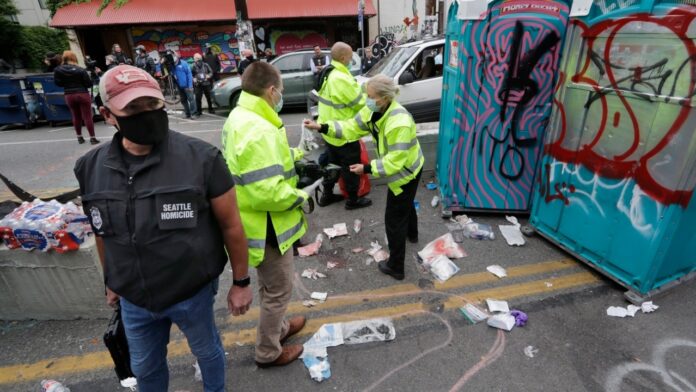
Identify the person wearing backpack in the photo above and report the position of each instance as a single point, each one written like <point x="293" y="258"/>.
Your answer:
<point x="202" y="82"/>
<point x="340" y="98"/>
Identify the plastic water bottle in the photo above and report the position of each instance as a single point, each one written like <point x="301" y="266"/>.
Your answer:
<point x="53" y="386"/>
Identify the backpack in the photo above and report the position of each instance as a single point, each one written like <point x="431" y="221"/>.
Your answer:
<point x="323" y="75"/>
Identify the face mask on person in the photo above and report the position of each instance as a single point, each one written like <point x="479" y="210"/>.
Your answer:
<point x="372" y="104"/>
<point x="145" y="128"/>
<point x="278" y="106"/>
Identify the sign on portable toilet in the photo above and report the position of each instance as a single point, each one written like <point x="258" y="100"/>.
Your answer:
<point x="618" y="174"/>
<point x="499" y="76"/>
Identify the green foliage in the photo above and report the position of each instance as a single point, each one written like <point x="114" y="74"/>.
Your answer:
<point x="53" y="5"/>
<point x="35" y="41"/>
<point x="7" y="8"/>
<point x="9" y="31"/>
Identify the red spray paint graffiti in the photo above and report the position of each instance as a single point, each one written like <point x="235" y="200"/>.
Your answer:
<point x="617" y="93"/>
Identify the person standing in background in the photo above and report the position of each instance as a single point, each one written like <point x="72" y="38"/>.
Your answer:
<point x="76" y="83"/>
<point x="202" y="82"/>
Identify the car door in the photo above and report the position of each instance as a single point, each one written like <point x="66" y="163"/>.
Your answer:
<point x="292" y="72"/>
<point x="422" y="95"/>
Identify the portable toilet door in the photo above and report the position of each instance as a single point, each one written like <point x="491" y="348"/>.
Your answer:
<point x="508" y="69"/>
<point x="618" y="174"/>
<point x="452" y="89"/>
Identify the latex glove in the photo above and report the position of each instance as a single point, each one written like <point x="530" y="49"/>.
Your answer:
<point x="311" y="188"/>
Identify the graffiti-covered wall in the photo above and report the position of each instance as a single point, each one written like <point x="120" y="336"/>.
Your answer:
<point x="499" y="74"/>
<point x="190" y="40"/>
<point x="617" y="181"/>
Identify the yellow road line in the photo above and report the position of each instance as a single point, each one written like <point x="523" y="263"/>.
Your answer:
<point x="102" y="360"/>
<point x="385" y="293"/>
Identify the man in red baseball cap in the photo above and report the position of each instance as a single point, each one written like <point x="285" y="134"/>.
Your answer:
<point x="163" y="208"/>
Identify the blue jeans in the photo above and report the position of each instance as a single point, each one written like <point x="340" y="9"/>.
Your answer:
<point x="188" y="101"/>
<point x="148" y="335"/>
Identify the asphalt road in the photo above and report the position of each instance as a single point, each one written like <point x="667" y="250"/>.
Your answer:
<point x="575" y="345"/>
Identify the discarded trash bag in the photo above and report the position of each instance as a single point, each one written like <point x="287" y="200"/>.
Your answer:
<point x="115" y="340"/>
<point x="445" y="246"/>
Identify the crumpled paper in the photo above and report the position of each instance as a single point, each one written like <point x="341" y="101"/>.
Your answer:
<point x="312" y="273"/>
<point x="311" y="249"/>
<point x="512" y="234"/>
<point x="338" y="230"/>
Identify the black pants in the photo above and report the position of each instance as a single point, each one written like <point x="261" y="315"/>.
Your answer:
<point x="200" y="90"/>
<point x="344" y="156"/>
<point x="401" y="220"/>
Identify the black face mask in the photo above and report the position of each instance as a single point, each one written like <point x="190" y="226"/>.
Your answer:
<point x="146" y="128"/>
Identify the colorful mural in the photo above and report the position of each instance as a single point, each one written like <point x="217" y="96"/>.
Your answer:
<point x="290" y="41"/>
<point x="617" y="180"/>
<point x="190" y="41"/>
<point x="501" y="80"/>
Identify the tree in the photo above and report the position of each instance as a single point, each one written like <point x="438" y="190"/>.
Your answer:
<point x="53" y="5"/>
<point x="10" y="31"/>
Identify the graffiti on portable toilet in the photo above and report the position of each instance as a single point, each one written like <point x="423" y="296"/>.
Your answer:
<point x="509" y="64"/>
<point x="615" y="186"/>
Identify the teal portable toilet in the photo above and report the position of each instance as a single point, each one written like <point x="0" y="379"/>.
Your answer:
<point x="500" y="69"/>
<point x="618" y="174"/>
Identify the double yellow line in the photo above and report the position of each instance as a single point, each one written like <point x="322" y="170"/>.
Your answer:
<point x="102" y="360"/>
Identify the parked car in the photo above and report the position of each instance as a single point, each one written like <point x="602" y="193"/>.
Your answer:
<point x="417" y="68"/>
<point x="298" y="79"/>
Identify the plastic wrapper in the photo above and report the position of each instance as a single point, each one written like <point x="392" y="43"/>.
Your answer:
<point x="307" y="140"/>
<point x="364" y="331"/>
<point x="441" y="246"/>
<point x="357" y="226"/>
<point x="45" y="226"/>
<point x="473" y="314"/>
<point x="442" y="268"/>
<point x="338" y="230"/>
<point x="504" y="321"/>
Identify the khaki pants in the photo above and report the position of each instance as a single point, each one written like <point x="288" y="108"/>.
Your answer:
<point x="275" y="276"/>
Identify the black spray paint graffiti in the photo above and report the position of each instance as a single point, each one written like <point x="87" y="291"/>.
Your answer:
<point x="384" y="43"/>
<point x="518" y="79"/>
<point x="645" y="82"/>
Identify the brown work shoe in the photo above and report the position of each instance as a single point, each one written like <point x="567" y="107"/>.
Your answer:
<point x="290" y="353"/>
<point x="295" y="324"/>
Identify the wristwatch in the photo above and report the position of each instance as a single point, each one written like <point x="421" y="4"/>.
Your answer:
<point x="242" y="282"/>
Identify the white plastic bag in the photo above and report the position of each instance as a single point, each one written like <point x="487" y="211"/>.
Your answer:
<point x="441" y="246"/>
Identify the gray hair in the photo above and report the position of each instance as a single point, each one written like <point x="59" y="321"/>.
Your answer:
<point x="384" y="86"/>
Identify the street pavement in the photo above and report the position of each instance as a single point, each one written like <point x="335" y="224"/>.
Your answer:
<point x="573" y="344"/>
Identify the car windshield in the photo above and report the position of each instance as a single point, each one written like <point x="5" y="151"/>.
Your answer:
<point x="394" y="61"/>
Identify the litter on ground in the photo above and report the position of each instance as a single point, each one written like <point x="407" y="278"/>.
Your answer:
<point x="441" y="246"/>
<point x="357" y="226"/>
<point x="357" y="250"/>
<point x="309" y="303"/>
<point x="311" y="249"/>
<point x="497" y="270"/>
<point x="312" y="273"/>
<point x="631" y="310"/>
<point x="338" y="230"/>
<point x="315" y="354"/>
<point x="495" y="305"/>
<point x="473" y="314"/>
<point x="504" y="321"/>
<point x="530" y="351"/>
<point x="512" y="234"/>
<point x="319" y="296"/>
<point x="442" y="268"/>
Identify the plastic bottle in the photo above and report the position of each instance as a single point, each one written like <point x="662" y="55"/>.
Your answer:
<point x="53" y="386"/>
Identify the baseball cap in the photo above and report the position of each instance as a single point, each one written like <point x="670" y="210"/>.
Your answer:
<point x="124" y="83"/>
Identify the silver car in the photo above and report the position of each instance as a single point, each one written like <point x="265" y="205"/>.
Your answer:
<point x="298" y="79"/>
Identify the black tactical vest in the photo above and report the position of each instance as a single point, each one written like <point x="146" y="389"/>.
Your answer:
<point x="162" y="242"/>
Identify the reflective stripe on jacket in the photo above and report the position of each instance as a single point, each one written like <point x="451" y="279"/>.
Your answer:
<point x="399" y="154"/>
<point x="262" y="163"/>
<point x="340" y="98"/>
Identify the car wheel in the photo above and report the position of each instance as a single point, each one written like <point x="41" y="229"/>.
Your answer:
<point x="233" y="99"/>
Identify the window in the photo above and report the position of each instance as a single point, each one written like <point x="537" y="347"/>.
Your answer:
<point x="290" y="63"/>
<point x="42" y="4"/>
